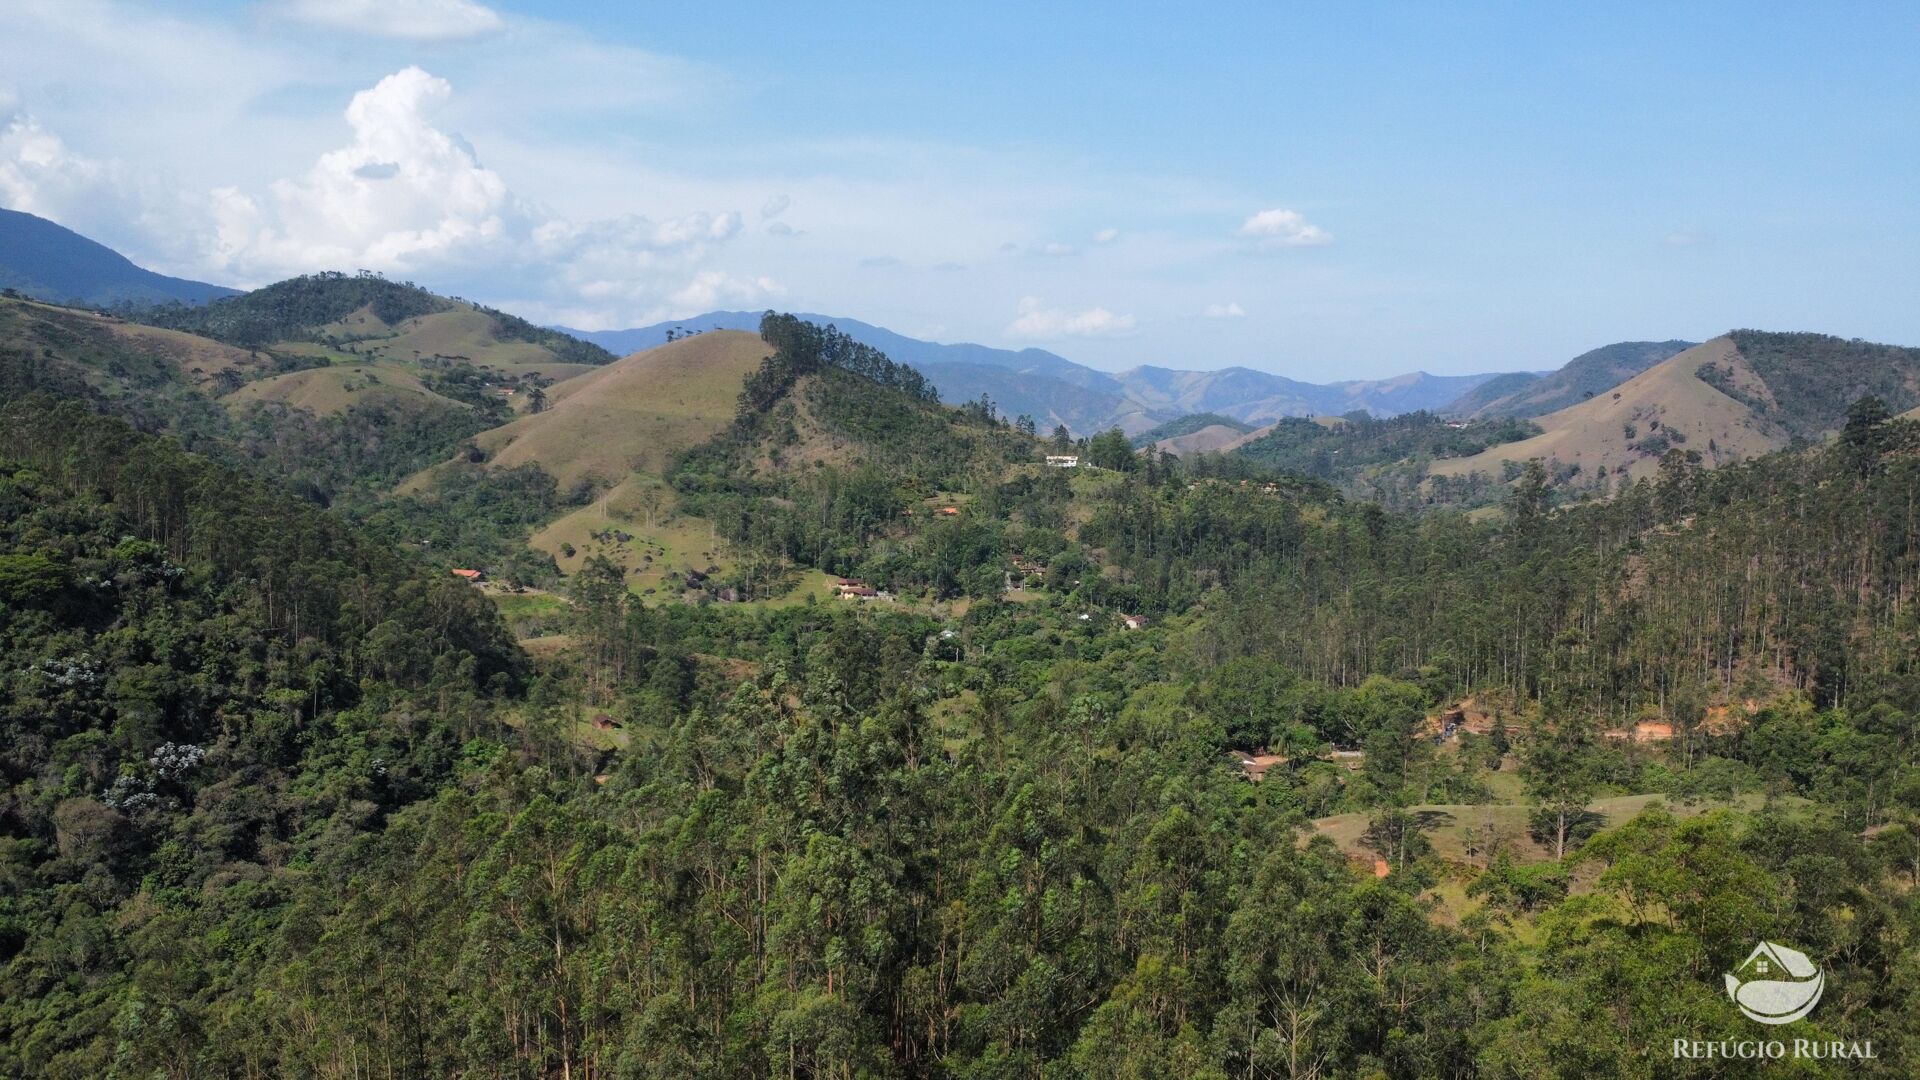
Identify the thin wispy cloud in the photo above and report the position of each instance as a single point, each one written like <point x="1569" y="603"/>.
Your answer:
<point x="1038" y="322"/>
<point x="407" y="20"/>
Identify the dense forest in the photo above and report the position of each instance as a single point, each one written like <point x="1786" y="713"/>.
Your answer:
<point x="1384" y="459"/>
<point x="1187" y="425"/>
<point x="1145" y="768"/>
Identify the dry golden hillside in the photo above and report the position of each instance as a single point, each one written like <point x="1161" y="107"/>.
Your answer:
<point x="329" y="390"/>
<point x="633" y="415"/>
<point x="92" y="338"/>
<point x="1629" y="427"/>
<point x="198" y="358"/>
<point x="462" y="332"/>
<point x="1212" y="439"/>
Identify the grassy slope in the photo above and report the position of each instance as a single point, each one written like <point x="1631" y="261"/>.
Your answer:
<point x="633" y="415"/>
<point x="1588" y="375"/>
<point x="620" y="425"/>
<point x="663" y="544"/>
<point x="464" y="332"/>
<point x="373" y="361"/>
<point x="1593" y="433"/>
<point x="330" y="390"/>
<point x="198" y="358"/>
<point x="85" y="337"/>
<point x="1211" y="439"/>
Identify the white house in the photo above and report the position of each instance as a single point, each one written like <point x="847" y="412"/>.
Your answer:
<point x="1063" y="461"/>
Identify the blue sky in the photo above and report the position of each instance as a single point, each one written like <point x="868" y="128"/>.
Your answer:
<point x="1326" y="191"/>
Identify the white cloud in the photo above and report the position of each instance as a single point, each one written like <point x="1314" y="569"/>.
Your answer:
<point x="40" y="174"/>
<point x="37" y="172"/>
<point x="1056" y="249"/>
<point x="410" y="20"/>
<point x="774" y="207"/>
<point x="1284" y="228"/>
<point x="591" y="186"/>
<point x="1228" y="310"/>
<point x="402" y="194"/>
<point x="405" y="196"/>
<point x="711" y="289"/>
<point x="1106" y="236"/>
<point x="1036" y="321"/>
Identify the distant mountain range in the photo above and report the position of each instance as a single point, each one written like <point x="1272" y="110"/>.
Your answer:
<point x="1054" y="390"/>
<point x="51" y="262"/>
<point x="44" y="260"/>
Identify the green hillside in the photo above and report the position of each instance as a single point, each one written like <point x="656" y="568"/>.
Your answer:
<point x="1495" y="389"/>
<point x="268" y="772"/>
<point x="1187" y="425"/>
<point x="842" y="461"/>
<point x="1384" y="459"/>
<point x="1812" y="379"/>
<point x="341" y="309"/>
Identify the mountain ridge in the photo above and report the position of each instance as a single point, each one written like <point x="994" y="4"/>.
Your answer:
<point x="1055" y="390"/>
<point x="1582" y="377"/>
<point x="1739" y="395"/>
<point x="45" y="260"/>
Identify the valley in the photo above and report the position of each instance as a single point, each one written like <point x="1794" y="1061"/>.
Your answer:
<point x="679" y="704"/>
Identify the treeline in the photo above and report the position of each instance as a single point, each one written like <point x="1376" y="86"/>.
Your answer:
<point x="565" y="347"/>
<point x="832" y="460"/>
<point x="1813" y="379"/>
<point x="298" y="308"/>
<point x="1187" y="425"/>
<point x="1794" y="569"/>
<point x="1382" y="458"/>
<point x="294" y="309"/>
<point x="802" y="348"/>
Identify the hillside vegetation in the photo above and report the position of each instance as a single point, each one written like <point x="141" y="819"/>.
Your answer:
<point x="1187" y="425"/>
<point x="865" y="845"/>
<point x="840" y="460"/>
<point x="1382" y="459"/>
<point x="633" y="415"/>
<point x="1152" y="767"/>
<point x="335" y="308"/>
<point x="1205" y="765"/>
<point x="1727" y="400"/>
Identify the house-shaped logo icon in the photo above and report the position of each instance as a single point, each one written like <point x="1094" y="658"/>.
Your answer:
<point x="1775" y="984"/>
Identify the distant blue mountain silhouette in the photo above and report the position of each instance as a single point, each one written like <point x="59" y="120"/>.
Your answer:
<point x="41" y="259"/>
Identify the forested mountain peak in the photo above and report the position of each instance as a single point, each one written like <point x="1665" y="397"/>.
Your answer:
<point x="339" y="308"/>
